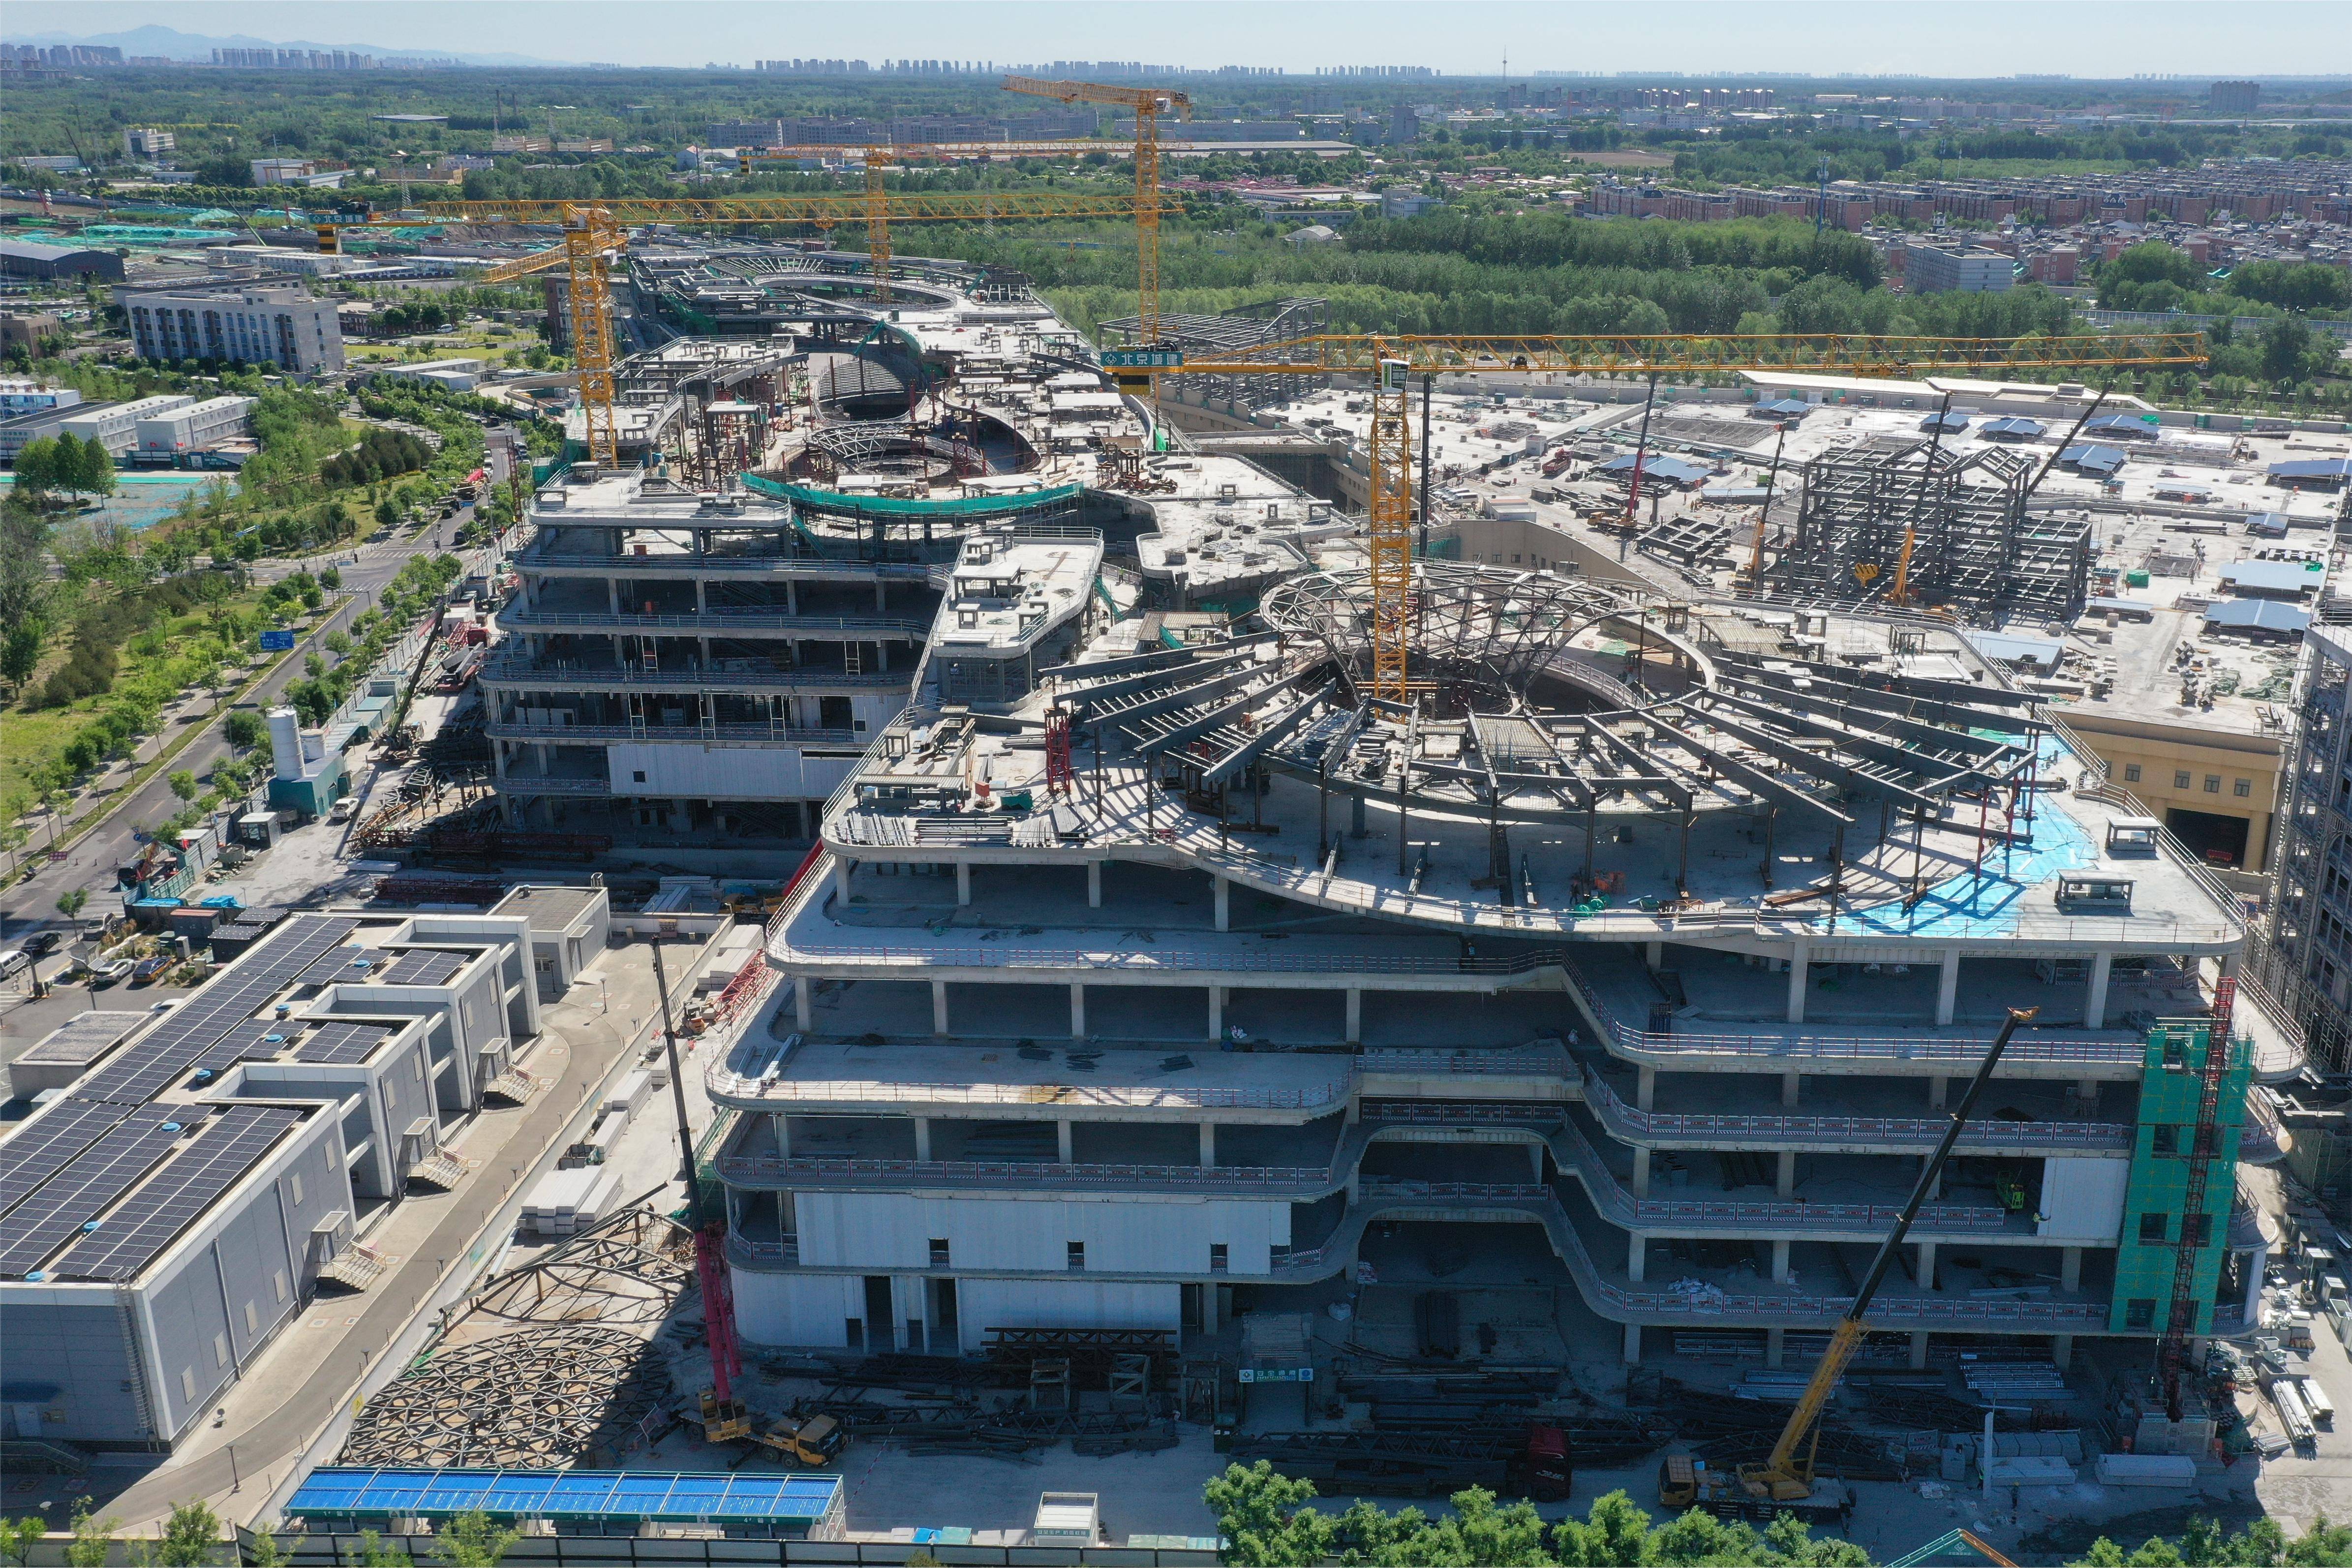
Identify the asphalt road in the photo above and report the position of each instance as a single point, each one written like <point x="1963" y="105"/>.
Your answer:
<point x="91" y="862"/>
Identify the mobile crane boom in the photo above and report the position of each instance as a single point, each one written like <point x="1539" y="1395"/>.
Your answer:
<point x="1781" y="1477"/>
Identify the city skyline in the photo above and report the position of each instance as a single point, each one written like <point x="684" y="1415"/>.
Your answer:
<point x="1470" y="38"/>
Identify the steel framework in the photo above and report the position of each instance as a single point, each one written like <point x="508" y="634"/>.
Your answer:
<point x="1946" y="530"/>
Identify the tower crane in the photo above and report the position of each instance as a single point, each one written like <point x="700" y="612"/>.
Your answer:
<point x="1147" y="104"/>
<point x="878" y="156"/>
<point x="1392" y="361"/>
<point x="595" y="232"/>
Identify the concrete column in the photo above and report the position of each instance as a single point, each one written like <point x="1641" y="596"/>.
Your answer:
<point x="612" y="593"/>
<point x="1939" y="1091"/>
<point x="1776" y="1346"/>
<point x="2231" y="960"/>
<point x="2061" y="1350"/>
<point x="2070" y="1269"/>
<point x="2094" y="1004"/>
<point x="1785" y="1183"/>
<point x="1948" y="986"/>
<point x="1355" y="1017"/>
<point x="1061" y="1143"/>
<point x="1216" y="1012"/>
<point x="922" y="1137"/>
<point x="1355" y="1178"/>
<point x="938" y="1007"/>
<point x="1919" y="1349"/>
<point x="1208" y="1146"/>
<point x="1927" y="1266"/>
<point x="1645" y="1087"/>
<point x="1225" y="904"/>
<point x="783" y="1125"/>
<point x="1094" y="884"/>
<point x="1637" y="1257"/>
<point x="1355" y="1112"/>
<point x="1935" y="1187"/>
<point x="1798" y="960"/>
<point x="1077" y="1011"/>
<point x="2087" y="1096"/>
<point x="1781" y="1261"/>
<point x="840" y="883"/>
<point x="801" y="1003"/>
<point x="1653" y="953"/>
<point x="1535" y="1160"/>
<point x="2258" y="1260"/>
<point x="1633" y="1344"/>
<point x="963" y="881"/>
<point x="1209" y="1308"/>
<point x="1641" y="1172"/>
<point x="1789" y="1084"/>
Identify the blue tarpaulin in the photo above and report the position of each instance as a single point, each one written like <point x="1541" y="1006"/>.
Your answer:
<point x="792" y="1504"/>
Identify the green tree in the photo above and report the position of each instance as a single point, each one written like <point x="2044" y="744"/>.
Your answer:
<point x="92" y="1540"/>
<point x="97" y="469"/>
<point x="19" y="1536"/>
<point x="375" y="1553"/>
<point x="333" y="577"/>
<point x="36" y="466"/>
<point x="70" y="903"/>
<point x="20" y="652"/>
<point x="1259" y="1513"/>
<point x="192" y="1536"/>
<point x="183" y="783"/>
<point x="2261" y="1544"/>
<point x="2287" y="349"/>
<point x="67" y="464"/>
<point x="473" y="1540"/>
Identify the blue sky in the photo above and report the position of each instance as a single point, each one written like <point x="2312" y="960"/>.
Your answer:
<point x="1958" y="37"/>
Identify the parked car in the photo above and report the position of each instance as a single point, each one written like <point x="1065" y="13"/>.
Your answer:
<point x="13" y="961"/>
<point x="107" y="971"/>
<point x="146" y="969"/>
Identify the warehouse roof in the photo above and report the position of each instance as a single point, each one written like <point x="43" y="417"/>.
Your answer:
<point x="2257" y="615"/>
<point x="2014" y="425"/>
<point x="2095" y="459"/>
<point x="2312" y="468"/>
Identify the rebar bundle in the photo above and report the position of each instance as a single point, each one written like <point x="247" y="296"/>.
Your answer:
<point x="544" y="1400"/>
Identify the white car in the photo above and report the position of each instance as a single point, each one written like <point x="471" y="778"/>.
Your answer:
<point x="342" y="810"/>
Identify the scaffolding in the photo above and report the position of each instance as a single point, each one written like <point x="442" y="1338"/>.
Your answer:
<point x="1250" y="327"/>
<point x="1973" y="546"/>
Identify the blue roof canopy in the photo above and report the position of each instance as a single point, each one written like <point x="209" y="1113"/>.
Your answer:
<point x="2257" y="615"/>
<point x="2014" y="424"/>
<point x="747" y="1498"/>
<point x="2127" y="427"/>
<point x="1657" y="466"/>
<point x="1789" y="408"/>
<point x="2314" y="469"/>
<point x="2095" y="459"/>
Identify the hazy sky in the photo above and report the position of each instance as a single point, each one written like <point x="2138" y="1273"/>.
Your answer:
<point x="1953" y="37"/>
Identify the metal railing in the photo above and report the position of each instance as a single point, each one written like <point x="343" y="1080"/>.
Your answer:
<point x="757" y="1091"/>
<point x="1632" y="1124"/>
<point x="717" y="622"/>
<point x="537" y="784"/>
<point x="935" y="573"/>
<point x="567" y="675"/>
<point x="1638" y="1043"/>
<point x="1024" y="1173"/>
<point x="754" y="734"/>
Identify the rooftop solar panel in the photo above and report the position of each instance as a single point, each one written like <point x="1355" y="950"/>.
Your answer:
<point x="148" y="1220"/>
<point x="171" y="1049"/>
<point x="351" y="964"/>
<point x="343" y="1045"/>
<point x="44" y="1146"/>
<point x="86" y="1186"/>
<point x="424" y="966"/>
<point x="255" y="1039"/>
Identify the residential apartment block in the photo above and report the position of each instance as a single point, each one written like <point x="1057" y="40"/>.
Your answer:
<point x="260" y="324"/>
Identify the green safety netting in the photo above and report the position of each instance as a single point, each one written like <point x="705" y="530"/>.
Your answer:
<point x="886" y="506"/>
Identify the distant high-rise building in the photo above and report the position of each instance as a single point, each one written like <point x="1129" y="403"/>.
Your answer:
<point x="141" y="142"/>
<point x="2236" y="97"/>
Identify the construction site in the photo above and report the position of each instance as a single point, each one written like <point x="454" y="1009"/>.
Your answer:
<point x="1801" y="1072"/>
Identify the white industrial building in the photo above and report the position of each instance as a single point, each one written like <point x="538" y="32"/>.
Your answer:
<point x="259" y="324"/>
<point x="163" y="438"/>
<point x="198" y="1179"/>
<point x="115" y="425"/>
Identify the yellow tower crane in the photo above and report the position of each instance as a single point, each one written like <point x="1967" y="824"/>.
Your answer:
<point x="878" y="156"/>
<point x="1147" y="104"/>
<point x="593" y="233"/>
<point x="1392" y="361"/>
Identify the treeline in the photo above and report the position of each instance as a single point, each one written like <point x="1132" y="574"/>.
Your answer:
<point x="95" y="641"/>
<point x="2154" y="275"/>
<point x="65" y="462"/>
<point x="381" y="455"/>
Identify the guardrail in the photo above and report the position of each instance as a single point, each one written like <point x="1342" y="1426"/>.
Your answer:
<point x="756" y="733"/>
<point x="522" y="672"/>
<point x="1025" y="1173"/>
<point x="764" y="1091"/>
<point x="715" y="621"/>
<point x="1633" y="1123"/>
<point x="533" y="783"/>
<point x="1638" y="1043"/>
<point x="935" y="573"/>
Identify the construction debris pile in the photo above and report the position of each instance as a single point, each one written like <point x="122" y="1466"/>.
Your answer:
<point x="549" y="1364"/>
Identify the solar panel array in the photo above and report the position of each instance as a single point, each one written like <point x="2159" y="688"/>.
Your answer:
<point x="348" y="964"/>
<point x="343" y="1045"/>
<point x="46" y="1146"/>
<point x="135" y="1234"/>
<point x="84" y="1187"/>
<point x="424" y="966"/>
<point x="255" y="1040"/>
<point x="169" y="1051"/>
